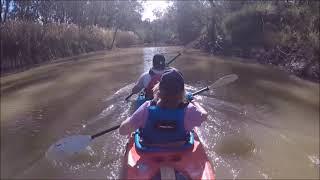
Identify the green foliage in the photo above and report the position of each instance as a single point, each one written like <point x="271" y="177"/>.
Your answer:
<point x="245" y="29"/>
<point x="287" y="32"/>
<point x="109" y="14"/>
<point x="188" y="15"/>
<point x="283" y="33"/>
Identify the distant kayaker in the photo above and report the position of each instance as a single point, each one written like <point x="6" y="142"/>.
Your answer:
<point x="149" y="79"/>
<point x="155" y="117"/>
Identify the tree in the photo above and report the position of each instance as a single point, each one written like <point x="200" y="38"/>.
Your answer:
<point x="188" y="18"/>
<point x="5" y="9"/>
<point x="25" y="10"/>
<point x="127" y="15"/>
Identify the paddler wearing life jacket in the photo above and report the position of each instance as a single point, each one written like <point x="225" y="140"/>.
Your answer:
<point x="149" y="79"/>
<point x="169" y="116"/>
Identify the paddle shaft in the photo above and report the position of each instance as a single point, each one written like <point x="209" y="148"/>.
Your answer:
<point x="200" y="91"/>
<point x="128" y="96"/>
<point x="173" y="59"/>
<point x="104" y="132"/>
<point x="167" y="64"/>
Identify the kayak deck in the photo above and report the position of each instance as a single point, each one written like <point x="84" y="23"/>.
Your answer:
<point x="190" y="164"/>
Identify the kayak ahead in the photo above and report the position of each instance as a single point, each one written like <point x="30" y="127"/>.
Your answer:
<point x="191" y="163"/>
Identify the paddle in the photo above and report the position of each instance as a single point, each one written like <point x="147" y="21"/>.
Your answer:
<point x="173" y="59"/>
<point x="74" y="144"/>
<point x="220" y="82"/>
<point x="167" y="64"/>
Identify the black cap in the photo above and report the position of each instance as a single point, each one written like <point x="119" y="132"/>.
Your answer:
<point x="171" y="82"/>
<point x="159" y="62"/>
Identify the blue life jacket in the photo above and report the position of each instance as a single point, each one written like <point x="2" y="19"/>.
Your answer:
<point x="164" y="125"/>
<point x="140" y="100"/>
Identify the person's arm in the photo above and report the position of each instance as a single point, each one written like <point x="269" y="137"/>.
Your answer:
<point x="204" y="113"/>
<point x="194" y="115"/>
<point x="139" y="85"/>
<point x="126" y="127"/>
<point x="135" y="121"/>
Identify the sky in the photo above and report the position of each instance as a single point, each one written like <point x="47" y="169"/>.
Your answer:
<point x="150" y="5"/>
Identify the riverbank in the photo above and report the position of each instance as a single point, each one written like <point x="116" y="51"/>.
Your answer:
<point x="298" y="62"/>
<point x="58" y="60"/>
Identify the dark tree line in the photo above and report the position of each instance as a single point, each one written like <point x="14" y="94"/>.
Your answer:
<point x="282" y="33"/>
<point x="106" y="14"/>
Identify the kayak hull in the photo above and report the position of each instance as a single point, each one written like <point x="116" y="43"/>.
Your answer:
<point x="193" y="163"/>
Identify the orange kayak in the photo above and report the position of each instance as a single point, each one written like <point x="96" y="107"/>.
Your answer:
<point x="191" y="163"/>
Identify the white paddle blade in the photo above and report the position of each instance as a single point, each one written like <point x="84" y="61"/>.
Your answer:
<point x="68" y="146"/>
<point x="224" y="81"/>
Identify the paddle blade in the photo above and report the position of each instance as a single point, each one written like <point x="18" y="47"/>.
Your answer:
<point x="224" y="81"/>
<point x="68" y="146"/>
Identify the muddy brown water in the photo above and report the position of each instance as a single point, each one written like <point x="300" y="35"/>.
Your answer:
<point x="265" y="125"/>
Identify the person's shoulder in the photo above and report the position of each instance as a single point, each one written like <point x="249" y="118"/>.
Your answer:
<point x="155" y="71"/>
<point x="143" y="108"/>
<point x="144" y="75"/>
<point x="191" y="106"/>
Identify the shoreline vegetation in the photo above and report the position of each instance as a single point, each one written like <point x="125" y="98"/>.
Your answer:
<point x="27" y="44"/>
<point x="284" y="34"/>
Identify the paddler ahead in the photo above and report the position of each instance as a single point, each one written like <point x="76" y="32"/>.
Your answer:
<point x="168" y="118"/>
<point x="149" y="79"/>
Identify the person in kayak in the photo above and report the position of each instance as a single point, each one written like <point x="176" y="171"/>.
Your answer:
<point x="169" y="103"/>
<point x="149" y="79"/>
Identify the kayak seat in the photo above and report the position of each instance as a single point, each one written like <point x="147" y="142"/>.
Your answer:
<point x="149" y="148"/>
<point x="178" y="176"/>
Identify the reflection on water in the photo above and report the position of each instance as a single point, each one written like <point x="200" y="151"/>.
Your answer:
<point x="254" y="129"/>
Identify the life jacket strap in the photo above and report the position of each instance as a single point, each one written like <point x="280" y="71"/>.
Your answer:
<point x="181" y="105"/>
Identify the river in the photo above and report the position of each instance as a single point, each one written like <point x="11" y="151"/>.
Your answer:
<point x="264" y="125"/>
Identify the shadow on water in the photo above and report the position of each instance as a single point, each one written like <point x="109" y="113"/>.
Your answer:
<point x="28" y="81"/>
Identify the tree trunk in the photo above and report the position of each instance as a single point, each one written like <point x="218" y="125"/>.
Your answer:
<point x="6" y="10"/>
<point x="1" y="11"/>
<point x="114" y="37"/>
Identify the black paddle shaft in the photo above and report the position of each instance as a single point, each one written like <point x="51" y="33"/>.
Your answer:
<point x="104" y="132"/>
<point x="128" y="96"/>
<point x="173" y="59"/>
<point x="200" y="91"/>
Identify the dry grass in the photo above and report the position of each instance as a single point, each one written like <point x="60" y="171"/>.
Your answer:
<point x="25" y="44"/>
<point x="125" y="39"/>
